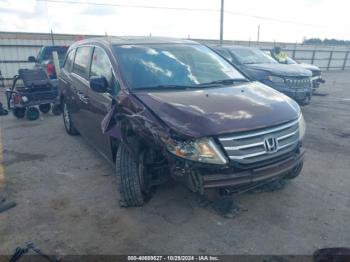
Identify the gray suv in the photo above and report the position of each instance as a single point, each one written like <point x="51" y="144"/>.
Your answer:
<point x="291" y="80"/>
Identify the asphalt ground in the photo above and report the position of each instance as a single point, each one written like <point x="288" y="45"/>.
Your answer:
<point x="67" y="202"/>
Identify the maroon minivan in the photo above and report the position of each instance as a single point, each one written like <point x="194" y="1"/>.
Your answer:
<point x="161" y="108"/>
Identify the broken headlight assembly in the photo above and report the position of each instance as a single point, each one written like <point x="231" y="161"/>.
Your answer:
<point x="302" y="127"/>
<point x="203" y="150"/>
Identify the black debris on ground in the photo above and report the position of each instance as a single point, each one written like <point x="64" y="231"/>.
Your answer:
<point x="6" y="205"/>
<point x="225" y="206"/>
<point x="270" y="187"/>
<point x="20" y="251"/>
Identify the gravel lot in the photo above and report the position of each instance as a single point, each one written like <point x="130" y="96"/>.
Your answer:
<point x="67" y="203"/>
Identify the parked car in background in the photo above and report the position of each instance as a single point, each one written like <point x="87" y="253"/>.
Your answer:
<point x="45" y="60"/>
<point x="161" y="108"/>
<point x="316" y="71"/>
<point x="293" y="81"/>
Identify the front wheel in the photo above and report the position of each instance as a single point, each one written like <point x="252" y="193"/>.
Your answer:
<point x="130" y="178"/>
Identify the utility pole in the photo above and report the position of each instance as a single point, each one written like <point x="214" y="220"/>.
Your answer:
<point x="258" y="39"/>
<point x="222" y="22"/>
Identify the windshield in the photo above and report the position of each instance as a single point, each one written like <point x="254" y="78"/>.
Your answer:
<point x="252" y="56"/>
<point x="157" y="65"/>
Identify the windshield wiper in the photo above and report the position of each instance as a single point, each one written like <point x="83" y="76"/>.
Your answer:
<point x="230" y="81"/>
<point x="184" y="87"/>
<point x="164" y="87"/>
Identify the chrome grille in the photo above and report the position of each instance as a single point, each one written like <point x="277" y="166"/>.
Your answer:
<point x="298" y="82"/>
<point x="263" y="144"/>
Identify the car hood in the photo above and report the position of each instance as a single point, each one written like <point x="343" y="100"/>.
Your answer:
<point x="281" y="69"/>
<point x="310" y="67"/>
<point x="222" y="110"/>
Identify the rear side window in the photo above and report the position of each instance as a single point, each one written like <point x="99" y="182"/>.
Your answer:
<point x="82" y="60"/>
<point x="69" y="61"/>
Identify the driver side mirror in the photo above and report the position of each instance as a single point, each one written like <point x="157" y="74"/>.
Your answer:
<point x="31" y="59"/>
<point x="99" y="84"/>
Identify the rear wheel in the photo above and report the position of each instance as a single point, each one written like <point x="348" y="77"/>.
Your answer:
<point x="32" y="113"/>
<point x="67" y="120"/>
<point x="19" y="112"/>
<point x="45" y="108"/>
<point x="130" y="178"/>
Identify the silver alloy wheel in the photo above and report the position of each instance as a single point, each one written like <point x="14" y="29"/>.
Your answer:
<point x="66" y="118"/>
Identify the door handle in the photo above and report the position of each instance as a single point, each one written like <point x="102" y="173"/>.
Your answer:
<point x="82" y="97"/>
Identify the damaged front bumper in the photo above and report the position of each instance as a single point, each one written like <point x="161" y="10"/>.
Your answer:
<point x="269" y="172"/>
<point x="316" y="81"/>
<point x="201" y="177"/>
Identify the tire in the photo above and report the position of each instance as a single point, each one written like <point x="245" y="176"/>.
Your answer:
<point x="129" y="181"/>
<point x="67" y="120"/>
<point x="45" y="108"/>
<point x="56" y="109"/>
<point x="19" y="112"/>
<point x="306" y="101"/>
<point x="296" y="171"/>
<point x="32" y="113"/>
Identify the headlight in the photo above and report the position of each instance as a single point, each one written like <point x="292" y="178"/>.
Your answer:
<point x="202" y="150"/>
<point x="302" y="127"/>
<point x="276" y="79"/>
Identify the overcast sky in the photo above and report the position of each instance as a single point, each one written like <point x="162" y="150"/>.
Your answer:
<point x="290" y="20"/>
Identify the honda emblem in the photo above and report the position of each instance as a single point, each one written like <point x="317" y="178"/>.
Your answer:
<point x="271" y="145"/>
